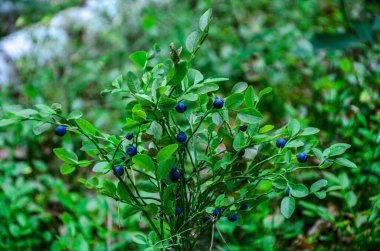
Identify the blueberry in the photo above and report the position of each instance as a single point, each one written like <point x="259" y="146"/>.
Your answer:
<point x="241" y="153"/>
<point x="119" y="170"/>
<point x="325" y="161"/>
<point x="131" y="151"/>
<point x="181" y="107"/>
<point x="217" y="211"/>
<point x="181" y="137"/>
<point x="243" y="128"/>
<point x="287" y="191"/>
<point x="129" y="136"/>
<point x="244" y="206"/>
<point x="302" y="157"/>
<point x="60" y="130"/>
<point x="233" y="218"/>
<point x="218" y="103"/>
<point x="178" y="211"/>
<point x="365" y="170"/>
<point x="280" y="143"/>
<point x="174" y="174"/>
<point x="206" y="219"/>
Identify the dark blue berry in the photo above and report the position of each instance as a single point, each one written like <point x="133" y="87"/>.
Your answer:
<point x="178" y="211"/>
<point x="244" y="206"/>
<point x="325" y="161"/>
<point x="365" y="170"/>
<point x="217" y="211"/>
<point x="181" y="137"/>
<point x="174" y="174"/>
<point x="129" y="136"/>
<point x="287" y="191"/>
<point x="233" y="218"/>
<point x="280" y="143"/>
<point x="206" y="219"/>
<point x="60" y="130"/>
<point x="241" y="153"/>
<point x="243" y="128"/>
<point x="131" y="151"/>
<point x="181" y="107"/>
<point x="119" y="170"/>
<point x="218" y="103"/>
<point x="302" y="157"/>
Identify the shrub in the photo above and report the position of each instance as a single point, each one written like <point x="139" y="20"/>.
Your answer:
<point x="186" y="167"/>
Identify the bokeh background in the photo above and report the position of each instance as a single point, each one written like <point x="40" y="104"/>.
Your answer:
<point x="321" y="57"/>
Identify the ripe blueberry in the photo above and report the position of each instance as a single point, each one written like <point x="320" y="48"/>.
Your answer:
<point x="302" y="157"/>
<point x="217" y="211"/>
<point x="241" y="153"/>
<point x="181" y="107"/>
<point x="325" y="161"/>
<point x="129" y="136"/>
<point x="60" y="130"/>
<point x="131" y="151"/>
<point x="233" y="218"/>
<point x="243" y="128"/>
<point x="181" y="137"/>
<point x="206" y="219"/>
<point x="365" y="170"/>
<point x="287" y="191"/>
<point x="119" y="170"/>
<point x="178" y="211"/>
<point x="280" y="143"/>
<point x="218" y="103"/>
<point x="244" y="206"/>
<point x="174" y="174"/>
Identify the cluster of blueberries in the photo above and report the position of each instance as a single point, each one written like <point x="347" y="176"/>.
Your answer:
<point x="174" y="174"/>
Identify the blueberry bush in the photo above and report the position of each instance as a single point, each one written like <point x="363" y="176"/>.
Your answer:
<point x="185" y="156"/>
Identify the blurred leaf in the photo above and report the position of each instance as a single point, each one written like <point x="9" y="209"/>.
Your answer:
<point x="339" y="41"/>
<point x="139" y="58"/>
<point x="345" y="162"/>
<point x="204" y="21"/>
<point x="74" y="115"/>
<point x="192" y="41"/>
<point x="41" y="127"/>
<point x="316" y="186"/>
<point x="67" y="169"/>
<point x="287" y="206"/>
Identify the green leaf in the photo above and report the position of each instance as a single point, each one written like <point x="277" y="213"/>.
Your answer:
<point x="239" y="87"/>
<point x="309" y="131"/>
<point x="280" y="183"/>
<point x="6" y="122"/>
<point x="250" y="97"/>
<point x="109" y="187"/>
<point x="345" y="162"/>
<point x="287" y="206"/>
<point x="41" y="127"/>
<point x="132" y="82"/>
<point x="26" y="113"/>
<point x="316" y="186"/>
<point x="166" y="104"/>
<point x="294" y="143"/>
<point x="67" y="169"/>
<point x="293" y="127"/>
<point x="234" y="101"/>
<point x="140" y="239"/>
<point x="318" y="153"/>
<point x="266" y="128"/>
<point x="45" y="109"/>
<point x="139" y="58"/>
<point x="219" y="200"/>
<point x="66" y="155"/>
<point x="238" y="142"/>
<point x="86" y="126"/>
<point x="122" y="192"/>
<point x="101" y="167"/>
<point x="214" y="80"/>
<point x="166" y="153"/>
<point x="203" y="88"/>
<point x="117" y="82"/>
<point x="74" y="115"/>
<point x="336" y="149"/>
<point x="177" y="73"/>
<point x="321" y="194"/>
<point x="192" y="41"/>
<point x="205" y="19"/>
<point x="147" y="186"/>
<point x="144" y="161"/>
<point x="299" y="191"/>
<point x="265" y="91"/>
<point x="249" y="115"/>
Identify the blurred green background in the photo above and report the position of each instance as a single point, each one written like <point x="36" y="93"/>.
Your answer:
<point x="321" y="57"/>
